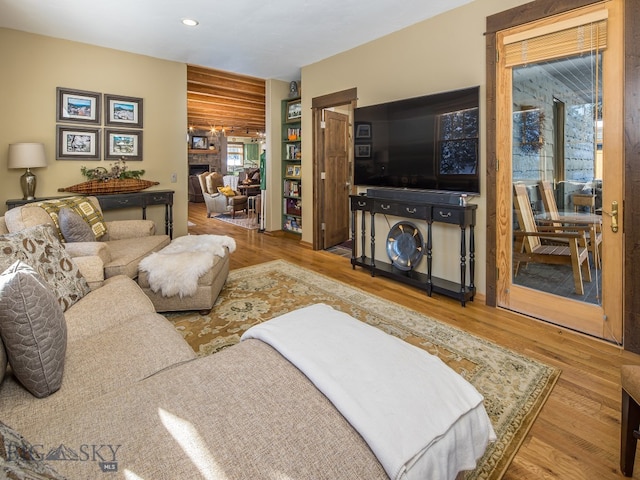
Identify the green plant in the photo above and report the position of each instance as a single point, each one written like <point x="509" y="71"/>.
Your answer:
<point x="117" y="171"/>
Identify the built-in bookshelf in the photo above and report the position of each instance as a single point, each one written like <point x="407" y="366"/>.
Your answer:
<point x="291" y="166"/>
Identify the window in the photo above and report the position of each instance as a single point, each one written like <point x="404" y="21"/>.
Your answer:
<point x="235" y="157"/>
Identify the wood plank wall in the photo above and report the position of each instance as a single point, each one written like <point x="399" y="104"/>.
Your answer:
<point x="217" y="99"/>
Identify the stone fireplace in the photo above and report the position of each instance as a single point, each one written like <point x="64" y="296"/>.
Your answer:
<point x="209" y="160"/>
<point x="197" y="169"/>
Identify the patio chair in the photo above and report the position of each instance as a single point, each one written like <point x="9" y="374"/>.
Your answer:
<point x="593" y="222"/>
<point x="529" y="247"/>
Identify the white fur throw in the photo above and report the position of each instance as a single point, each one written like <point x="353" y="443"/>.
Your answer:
<point x="176" y="268"/>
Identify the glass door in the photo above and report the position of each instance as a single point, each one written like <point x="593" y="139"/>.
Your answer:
<point x="560" y="108"/>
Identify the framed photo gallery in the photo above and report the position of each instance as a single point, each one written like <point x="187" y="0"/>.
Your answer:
<point x="92" y="126"/>
<point x="363" y="140"/>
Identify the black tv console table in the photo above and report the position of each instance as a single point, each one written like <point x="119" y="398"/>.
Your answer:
<point x="114" y="201"/>
<point x="463" y="216"/>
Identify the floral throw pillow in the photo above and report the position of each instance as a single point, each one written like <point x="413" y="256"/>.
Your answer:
<point x="40" y="248"/>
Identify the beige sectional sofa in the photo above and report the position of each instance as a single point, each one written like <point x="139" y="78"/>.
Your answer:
<point x="117" y="252"/>
<point x="114" y="340"/>
<point x="133" y="400"/>
<point x="125" y="396"/>
<point x="64" y="345"/>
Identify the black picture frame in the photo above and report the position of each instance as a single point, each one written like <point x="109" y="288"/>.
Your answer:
<point x="77" y="106"/>
<point x="199" y="142"/>
<point x="123" y="112"/>
<point x="362" y="150"/>
<point x="77" y="143"/>
<point x="294" y="110"/>
<point x="126" y="144"/>
<point x="363" y="130"/>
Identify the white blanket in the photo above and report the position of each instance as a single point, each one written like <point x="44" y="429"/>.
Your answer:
<point x="420" y="418"/>
<point x="176" y="268"/>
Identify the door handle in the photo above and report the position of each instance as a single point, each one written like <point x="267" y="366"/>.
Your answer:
<point x="614" y="216"/>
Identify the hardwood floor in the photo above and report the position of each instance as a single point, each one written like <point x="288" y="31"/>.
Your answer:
<point x="576" y="435"/>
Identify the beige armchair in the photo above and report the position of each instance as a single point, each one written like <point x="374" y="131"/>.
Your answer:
<point x="118" y="252"/>
<point x="216" y="201"/>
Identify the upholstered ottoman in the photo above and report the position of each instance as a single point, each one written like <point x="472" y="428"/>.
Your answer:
<point x="209" y="284"/>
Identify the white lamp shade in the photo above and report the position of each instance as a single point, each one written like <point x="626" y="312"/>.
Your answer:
<point x="26" y="155"/>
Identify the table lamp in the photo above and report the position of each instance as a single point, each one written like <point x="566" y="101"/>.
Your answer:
<point x="27" y="155"/>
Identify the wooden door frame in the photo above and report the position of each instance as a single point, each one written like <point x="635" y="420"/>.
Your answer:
<point x="534" y="11"/>
<point x="344" y="97"/>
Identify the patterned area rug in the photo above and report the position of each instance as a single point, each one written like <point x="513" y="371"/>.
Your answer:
<point x="240" y="220"/>
<point x="515" y="387"/>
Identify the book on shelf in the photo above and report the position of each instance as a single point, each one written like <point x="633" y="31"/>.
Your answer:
<point x="293" y="206"/>
<point x="293" y="151"/>
<point x="292" y="188"/>
<point x="292" y="224"/>
<point x="293" y="134"/>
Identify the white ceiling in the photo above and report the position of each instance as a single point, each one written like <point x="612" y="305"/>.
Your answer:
<point x="261" y="38"/>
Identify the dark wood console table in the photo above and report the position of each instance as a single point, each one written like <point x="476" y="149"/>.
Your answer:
<point x="463" y="216"/>
<point x="115" y="201"/>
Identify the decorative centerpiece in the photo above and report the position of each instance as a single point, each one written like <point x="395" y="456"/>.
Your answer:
<point x="119" y="179"/>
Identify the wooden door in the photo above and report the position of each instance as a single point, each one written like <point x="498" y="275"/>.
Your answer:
<point x="335" y="191"/>
<point x="528" y="141"/>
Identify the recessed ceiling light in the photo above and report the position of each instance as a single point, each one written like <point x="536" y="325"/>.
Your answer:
<point x="190" y="22"/>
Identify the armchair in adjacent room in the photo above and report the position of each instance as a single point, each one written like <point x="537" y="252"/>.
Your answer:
<point x="195" y="190"/>
<point x="219" y="197"/>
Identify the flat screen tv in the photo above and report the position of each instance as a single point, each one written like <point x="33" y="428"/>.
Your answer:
<point x="427" y="143"/>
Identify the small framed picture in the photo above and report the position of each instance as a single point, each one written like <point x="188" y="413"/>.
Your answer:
<point x="77" y="106"/>
<point x="123" y="143"/>
<point x="122" y="111"/>
<point x="363" y="150"/>
<point x="293" y="170"/>
<point x="294" y="110"/>
<point x="199" y="143"/>
<point x="77" y="143"/>
<point x="363" y="130"/>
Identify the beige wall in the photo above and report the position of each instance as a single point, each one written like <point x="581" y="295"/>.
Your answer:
<point x="443" y="53"/>
<point x="276" y="91"/>
<point x="33" y="66"/>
